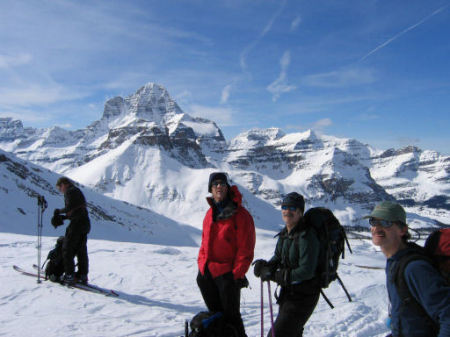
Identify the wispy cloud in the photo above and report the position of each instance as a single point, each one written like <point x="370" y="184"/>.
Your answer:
<point x="318" y="126"/>
<point x="321" y="124"/>
<point x="252" y="45"/>
<point x="25" y="115"/>
<point x="395" y="37"/>
<point x="9" y="61"/>
<point x="295" y="23"/>
<point x="368" y="117"/>
<point x="280" y="86"/>
<point x="35" y="94"/>
<point x="221" y="115"/>
<point x="225" y="94"/>
<point x="340" y="78"/>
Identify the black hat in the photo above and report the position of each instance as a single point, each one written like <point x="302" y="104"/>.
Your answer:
<point x="217" y="176"/>
<point x="63" y="180"/>
<point x="294" y="199"/>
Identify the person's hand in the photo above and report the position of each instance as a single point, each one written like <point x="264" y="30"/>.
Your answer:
<point x="242" y="282"/>
<point x="266" y="273"/>
<point x="258" y="266"/>
<point x="57" y="220"/>
<point x="282" y="277"/>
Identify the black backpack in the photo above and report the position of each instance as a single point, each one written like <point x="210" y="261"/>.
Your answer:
<point x="207" y="324"/>
<point x="332" y="240"/>
<point x="55" y="264"/>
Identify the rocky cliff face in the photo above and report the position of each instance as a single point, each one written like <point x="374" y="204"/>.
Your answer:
<point x="144" y="140"/>
<point x="413" y="176"/>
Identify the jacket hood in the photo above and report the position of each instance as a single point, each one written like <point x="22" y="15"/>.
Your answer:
<point x="233" y="194"/>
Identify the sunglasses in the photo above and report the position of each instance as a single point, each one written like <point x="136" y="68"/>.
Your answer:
<point x="218" y="182"/>
<point x="381" y="222"/>
<point x="290" y="208"/>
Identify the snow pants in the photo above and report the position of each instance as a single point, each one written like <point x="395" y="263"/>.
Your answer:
<point x="295" y="309"/>
<point x="222" y="294"/>
<point x="75" y="244"/>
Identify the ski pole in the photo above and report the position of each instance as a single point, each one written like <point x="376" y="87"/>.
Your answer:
<point x="262" y="308"/>
<point x="271" y="310"/>
<point x="39" y="238"/>
<point x="42" y="205"/>
<point x="343" y="287"/>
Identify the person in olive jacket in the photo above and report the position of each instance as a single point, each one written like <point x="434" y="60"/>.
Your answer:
<point x="293" y="267"/>
<point x="226" y="251"/>
<point x="75" y="239"/>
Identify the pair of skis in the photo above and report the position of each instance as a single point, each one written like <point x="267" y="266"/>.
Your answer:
<point x="85" y="287"/>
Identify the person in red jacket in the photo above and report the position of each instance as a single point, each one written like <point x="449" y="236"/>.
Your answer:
<point x="226" y="252"/>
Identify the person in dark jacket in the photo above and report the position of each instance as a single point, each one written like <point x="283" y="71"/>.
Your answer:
<point x="75" y="238"/>
<point x="425" y="284"/>
<point x="226" y="251"/>
<point x="293" y="267"/>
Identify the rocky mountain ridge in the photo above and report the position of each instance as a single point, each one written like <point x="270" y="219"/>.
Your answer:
<point x="147" y="151"/>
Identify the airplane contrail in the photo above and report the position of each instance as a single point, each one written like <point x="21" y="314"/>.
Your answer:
<point x="384" y="44"/>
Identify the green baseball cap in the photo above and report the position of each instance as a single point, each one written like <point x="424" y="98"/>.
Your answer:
<point x="388" y="210"/>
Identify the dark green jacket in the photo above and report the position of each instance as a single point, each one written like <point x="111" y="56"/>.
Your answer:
<point x="302" y="258"/>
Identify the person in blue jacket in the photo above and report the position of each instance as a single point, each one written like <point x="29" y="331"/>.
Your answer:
<point x="425" y="312"/>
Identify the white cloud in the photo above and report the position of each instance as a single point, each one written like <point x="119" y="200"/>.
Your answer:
<point x="368" y="116"/>
<point x="7" y="61"/>
<point x="25" y="115"/>
<point x="225" y="94"/>
<point x="280" y="86"/>
<point x="221" y="115"/>
<point x="340" y="78"/>
<point x="31" y="94"/>
<point x="295" y="23"/>
<point x="320" y="125"/>
<point x="65" y="126"/>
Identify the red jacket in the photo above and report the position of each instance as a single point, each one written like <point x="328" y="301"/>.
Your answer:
<point x="227" y="243"/>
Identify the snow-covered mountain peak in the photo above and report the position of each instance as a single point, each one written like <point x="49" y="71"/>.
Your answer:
<point x="151" y="103"/>
<point x="256" y="137"/>
<point x="144" y="142"/>
<point x="9" y="123"/>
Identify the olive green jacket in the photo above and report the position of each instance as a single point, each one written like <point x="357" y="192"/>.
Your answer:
<point x="302" y="258"/>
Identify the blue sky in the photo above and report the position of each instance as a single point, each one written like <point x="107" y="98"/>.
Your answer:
<point x="377" y="71"/>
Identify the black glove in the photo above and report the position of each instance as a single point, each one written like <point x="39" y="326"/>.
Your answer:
<point x="56" y="212"/>
<point x="266" y="273"/>
<point x="258" y="266"/>
<point x="242" y="282"/>
<point x="282" y="277"/>
<point x="57" y="220"/>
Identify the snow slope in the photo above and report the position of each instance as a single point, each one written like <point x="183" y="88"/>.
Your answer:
<point x="21" y="182"/>
<point x="158" y="293"/>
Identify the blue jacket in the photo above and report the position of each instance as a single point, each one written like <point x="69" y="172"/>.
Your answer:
<point x="428" y="287"/>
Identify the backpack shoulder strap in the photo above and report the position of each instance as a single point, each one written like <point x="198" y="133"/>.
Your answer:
<point x="407" y="300"/>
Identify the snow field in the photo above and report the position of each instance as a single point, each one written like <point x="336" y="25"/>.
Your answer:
<point x="158" y="292"/>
